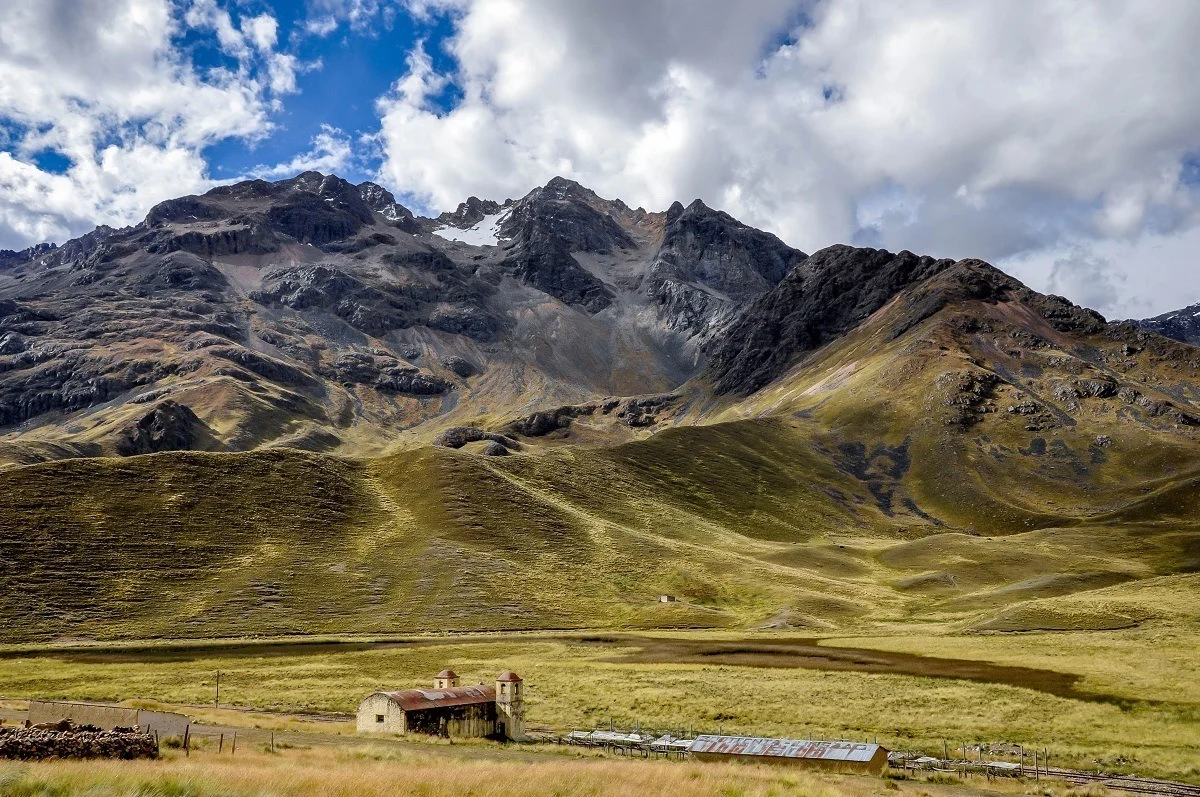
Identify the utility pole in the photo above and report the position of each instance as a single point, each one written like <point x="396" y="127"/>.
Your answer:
<point x="217" y="701"/>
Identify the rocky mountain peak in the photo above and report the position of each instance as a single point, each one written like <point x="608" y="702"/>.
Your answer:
<point x="1182" y="325"/>
<point x="471" y="212"/>
<point x="380" y="200"/>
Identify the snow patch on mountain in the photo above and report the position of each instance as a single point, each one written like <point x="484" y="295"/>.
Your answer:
<point x="486" y="232"/>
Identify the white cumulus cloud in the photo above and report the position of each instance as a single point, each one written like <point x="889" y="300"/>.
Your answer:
<point x="102" y="86"/>
<point x="986" y="129"/>
<point x="332" y="151"/>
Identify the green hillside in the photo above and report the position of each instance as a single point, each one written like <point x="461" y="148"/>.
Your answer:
<point x="748" y="522"/>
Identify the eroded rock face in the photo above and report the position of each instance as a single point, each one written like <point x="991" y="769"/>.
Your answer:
<point x="828" y="294"/>
<point x="240" y="237"/>
<point x="451" y="304"/>
<point x="363" y="307"/>
<point x="386" y="374"/>
<point x="170" y="426"/>
<point x="709" y="265"/>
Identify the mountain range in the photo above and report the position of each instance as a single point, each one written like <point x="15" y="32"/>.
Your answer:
<point x="547" y="411"/>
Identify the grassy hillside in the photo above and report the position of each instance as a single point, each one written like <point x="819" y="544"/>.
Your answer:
<point x="761" y="521"/>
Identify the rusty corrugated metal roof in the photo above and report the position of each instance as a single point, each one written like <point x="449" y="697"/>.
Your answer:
<point x="784" y="748"/>
<point x="419" y="699"/>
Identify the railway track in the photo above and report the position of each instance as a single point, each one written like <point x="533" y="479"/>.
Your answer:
<point x="1126" y="783"/>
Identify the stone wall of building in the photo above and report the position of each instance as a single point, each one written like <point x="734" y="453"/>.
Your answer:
<point x="373" y="708"/>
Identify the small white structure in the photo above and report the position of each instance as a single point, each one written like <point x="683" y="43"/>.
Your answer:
<point x="667" y="599"/>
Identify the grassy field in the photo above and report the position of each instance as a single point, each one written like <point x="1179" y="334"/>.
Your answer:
<point x="1124" y="716"/>
<point x="359" y="772"/>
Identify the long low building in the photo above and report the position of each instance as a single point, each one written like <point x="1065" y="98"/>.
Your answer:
<point x="839" y="756"/>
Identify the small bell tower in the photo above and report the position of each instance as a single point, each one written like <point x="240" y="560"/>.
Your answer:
<point x="510" y="706"/>
<point x="446" y="679"/>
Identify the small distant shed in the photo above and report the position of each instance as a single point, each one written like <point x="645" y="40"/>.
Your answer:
<point x="839" y="756"/>
<point x="664" y="598"/>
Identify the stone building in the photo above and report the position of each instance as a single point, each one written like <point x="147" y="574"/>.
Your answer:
<point x="449" y="709"/>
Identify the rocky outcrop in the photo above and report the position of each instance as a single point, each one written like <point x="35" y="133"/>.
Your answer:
<point x="459" y="436"/>
<point x="967" y="394"/>
<point x="179" y="271"/>
<point x="461" y="366"/>
<point x="170" y="426"/>
<point x="386" y="374"/>
<point x="539" y="424"/>
<point x="637" y="411"/>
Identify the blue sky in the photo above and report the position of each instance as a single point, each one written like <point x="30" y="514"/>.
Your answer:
<point x="1059" y="141"/>
<point x="347" y="70"/>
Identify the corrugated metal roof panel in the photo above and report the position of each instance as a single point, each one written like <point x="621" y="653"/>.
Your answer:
<point x="419" y="699"/>
<point x="784" y="748"/>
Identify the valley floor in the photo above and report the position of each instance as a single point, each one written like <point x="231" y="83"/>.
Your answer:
<point x="1120" y="701"/>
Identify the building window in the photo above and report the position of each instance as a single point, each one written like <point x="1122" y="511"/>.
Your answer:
<point x="379" y="718"/>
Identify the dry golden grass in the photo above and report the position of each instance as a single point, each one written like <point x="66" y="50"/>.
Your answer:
<point x="327" y="772"/>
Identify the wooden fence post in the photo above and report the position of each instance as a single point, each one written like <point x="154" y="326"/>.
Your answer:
<point x="233" y="750"/>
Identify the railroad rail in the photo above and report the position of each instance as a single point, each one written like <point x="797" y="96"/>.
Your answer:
<point x="1127" y="783"/>
<point x="1131" y="784"/>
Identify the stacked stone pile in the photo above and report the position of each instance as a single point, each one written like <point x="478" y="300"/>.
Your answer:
<point x="67" y="740"/>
